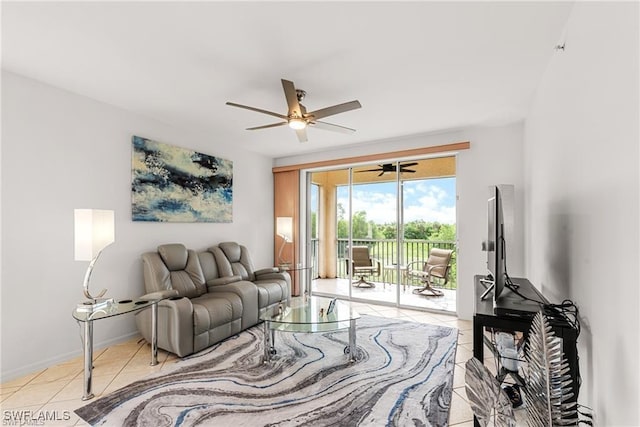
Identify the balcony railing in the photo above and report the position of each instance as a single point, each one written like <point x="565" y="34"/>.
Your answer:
<point x="386" y="251"/>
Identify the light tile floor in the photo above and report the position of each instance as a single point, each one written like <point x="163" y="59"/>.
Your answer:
<point x="384" y="292"/>
<point x="57" y="390"/>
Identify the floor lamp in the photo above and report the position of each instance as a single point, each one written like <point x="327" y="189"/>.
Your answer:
<point x="284" y="229"/>
<point x="94" y="231"/>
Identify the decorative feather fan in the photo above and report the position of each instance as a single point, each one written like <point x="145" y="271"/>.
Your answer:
<point x="485" y="395"/>
<point x="549" y="385"/>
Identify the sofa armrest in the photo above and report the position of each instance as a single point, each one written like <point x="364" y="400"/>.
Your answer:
<point x="222" y="281"/>
<point x="168" y="293"/>
<point x="274" y="275"/>
<point x="266" y="271"/>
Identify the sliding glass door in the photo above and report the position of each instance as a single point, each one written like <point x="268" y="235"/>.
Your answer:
<point x="371" y="222"/>
<point x="372" y="243"/>
<point x="325" y="188"/>
<point x="428" y="222"/>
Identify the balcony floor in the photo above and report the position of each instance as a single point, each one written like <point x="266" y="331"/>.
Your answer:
<point x="386" y="293"/>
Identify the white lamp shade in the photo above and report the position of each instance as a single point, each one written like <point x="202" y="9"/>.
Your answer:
<point x="284" y="227"/>
<point x="94" y="230"/>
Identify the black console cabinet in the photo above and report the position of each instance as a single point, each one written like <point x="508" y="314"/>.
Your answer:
<point x="484" y="317"/>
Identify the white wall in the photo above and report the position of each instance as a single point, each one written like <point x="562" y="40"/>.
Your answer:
<point x="61" y="151"/>
<point x="581" y="146"/>
<point x="495" y="157"/>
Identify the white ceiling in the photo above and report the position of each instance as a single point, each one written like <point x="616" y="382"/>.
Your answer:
<point x="416" y="67"/>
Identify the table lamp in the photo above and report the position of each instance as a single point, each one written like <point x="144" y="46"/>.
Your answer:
<point x="94" y="231"/>
<point x="284" y="229"/>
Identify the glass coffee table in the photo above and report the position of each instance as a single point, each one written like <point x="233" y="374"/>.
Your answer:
<point x="310" y="314"/>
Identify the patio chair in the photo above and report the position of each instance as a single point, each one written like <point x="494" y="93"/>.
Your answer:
<point x="433" y="272"/>
<point x="363" y="265"/>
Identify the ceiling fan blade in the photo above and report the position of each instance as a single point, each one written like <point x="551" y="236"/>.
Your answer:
<point x="331" y="126"/>
<point x="369" y="170"/>
<point x="273" y="125"/>
<point x="302" y="135"/>
<point x="408" y="165"/>
<point x="259" y="110"/>
<point x="335" y="109"/>
<point x="407" y="170"/>
<point x="292" y="98"/>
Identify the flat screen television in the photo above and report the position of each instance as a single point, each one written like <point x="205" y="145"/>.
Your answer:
<point x="495" y="257"/>
<point x="495" y="245"/>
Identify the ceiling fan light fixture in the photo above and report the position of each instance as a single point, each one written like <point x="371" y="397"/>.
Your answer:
<point x="297" y="123"/>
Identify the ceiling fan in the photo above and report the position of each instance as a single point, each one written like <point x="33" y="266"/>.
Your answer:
<point x="297" y="116"/>
<point x="391" y="167"/>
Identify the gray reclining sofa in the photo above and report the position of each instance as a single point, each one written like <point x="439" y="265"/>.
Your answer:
<point x="210" y="295"/>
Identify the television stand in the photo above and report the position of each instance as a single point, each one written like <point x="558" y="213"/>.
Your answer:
<point x="485" y="317"/>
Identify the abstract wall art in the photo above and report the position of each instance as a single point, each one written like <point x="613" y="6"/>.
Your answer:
<point x="173" y="184"/>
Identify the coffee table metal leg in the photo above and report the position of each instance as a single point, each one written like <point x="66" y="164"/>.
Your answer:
<point x="88" y="359"/>
<point x="352" y="340"/>
<point x="265" y="355"/>
<point x="154" y="333"/>
<point x="269" y="335"/>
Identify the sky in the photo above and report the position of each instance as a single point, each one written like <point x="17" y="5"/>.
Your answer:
<point x="427" y="199"/>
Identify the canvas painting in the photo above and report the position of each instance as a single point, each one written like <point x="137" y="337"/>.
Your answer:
<point x="173" y="184"/>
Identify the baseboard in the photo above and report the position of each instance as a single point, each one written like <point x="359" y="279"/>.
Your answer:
<point x="44" y="364"/>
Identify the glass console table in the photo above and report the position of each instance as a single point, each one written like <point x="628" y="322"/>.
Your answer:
<point x="303" y="314"/>
<point x="115" y="308"/>
<point x="298" y="287"/>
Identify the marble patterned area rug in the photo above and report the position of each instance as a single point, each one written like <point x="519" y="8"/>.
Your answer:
<point x="403" y="376"/>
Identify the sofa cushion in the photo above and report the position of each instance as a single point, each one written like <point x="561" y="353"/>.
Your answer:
<point x="248" y="293"/>
<point x="209" y="266"/>
<point x="174" y="255"/>
<point x="213" y="310"/>
<point x="235" y="262"/>
<point x="232" y="251"/>
<point x="185" y="273"/>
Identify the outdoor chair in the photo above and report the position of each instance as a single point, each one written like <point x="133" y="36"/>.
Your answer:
<point x="433" y="272"/>
<point x="363" y="265"/>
